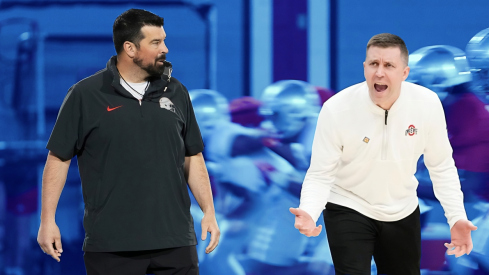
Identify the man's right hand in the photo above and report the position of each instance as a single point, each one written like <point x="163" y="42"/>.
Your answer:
<point x="49" y="239"/>
<point x="304" y="223"/>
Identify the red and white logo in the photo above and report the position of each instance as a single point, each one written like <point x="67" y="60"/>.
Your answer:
<point x="411" y="131"/>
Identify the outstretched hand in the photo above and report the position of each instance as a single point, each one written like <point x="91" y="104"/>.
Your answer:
<point x="304" y="223"/>
<point x="461" y="240"/>
<point x="209" y="224"/>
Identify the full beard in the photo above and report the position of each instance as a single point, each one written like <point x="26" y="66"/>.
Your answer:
<point x="153" y="70"/>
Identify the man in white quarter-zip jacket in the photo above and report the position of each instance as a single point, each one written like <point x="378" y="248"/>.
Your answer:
<point x="368" y="140"/>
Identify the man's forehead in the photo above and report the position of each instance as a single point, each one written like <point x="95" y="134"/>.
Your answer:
<point x="390" y="53"/>
<point x="152" y="31"/>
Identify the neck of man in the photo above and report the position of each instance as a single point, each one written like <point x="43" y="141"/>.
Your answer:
<point x="130" y="71"/>
<point x="385" y="104"/>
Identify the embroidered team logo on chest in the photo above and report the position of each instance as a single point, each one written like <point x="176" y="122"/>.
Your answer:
<point x="166" y="103"/>
<point x="411" y="131"/>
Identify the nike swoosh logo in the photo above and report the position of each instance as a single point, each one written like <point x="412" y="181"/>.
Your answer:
<point x="112" y="109"/>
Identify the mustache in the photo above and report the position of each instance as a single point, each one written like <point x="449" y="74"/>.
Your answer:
<point x="161" y="58"/>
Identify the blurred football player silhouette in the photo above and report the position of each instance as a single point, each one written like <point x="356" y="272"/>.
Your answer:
<point x="439" y="68"/>
<point x="253" y="189"/>
<point x="290" y="108"/>
<point x="211" y="111"/>
<point x="445" y="70"/>
<point x="239" y="176"/>
<point x="478" y="57"/>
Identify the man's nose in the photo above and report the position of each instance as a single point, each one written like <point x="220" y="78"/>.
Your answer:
<point x="164" y="48"/>
<point x="380" y="71"/>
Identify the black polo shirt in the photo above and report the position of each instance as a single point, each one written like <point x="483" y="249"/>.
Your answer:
<point x="131" y="161"/>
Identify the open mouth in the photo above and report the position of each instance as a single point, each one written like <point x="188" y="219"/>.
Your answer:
<point x="380" y="87"/>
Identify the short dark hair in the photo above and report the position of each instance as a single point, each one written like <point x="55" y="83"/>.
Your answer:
<point x="387" y="40"/>
<point x="127" y="27"/>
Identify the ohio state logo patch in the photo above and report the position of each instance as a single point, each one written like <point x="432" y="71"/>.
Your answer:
<point x="411" y="131"/>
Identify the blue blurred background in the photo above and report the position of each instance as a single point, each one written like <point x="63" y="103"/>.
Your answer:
<point x="230" y="54"/>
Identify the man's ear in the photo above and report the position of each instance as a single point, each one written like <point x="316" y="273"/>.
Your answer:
<point x="130" y="49"/>
<point x="405" y="73"/>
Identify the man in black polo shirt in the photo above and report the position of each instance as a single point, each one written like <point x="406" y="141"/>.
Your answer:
<point x="133" y="130"/>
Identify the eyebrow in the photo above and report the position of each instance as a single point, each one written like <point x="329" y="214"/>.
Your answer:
<point x="377" y="60"/>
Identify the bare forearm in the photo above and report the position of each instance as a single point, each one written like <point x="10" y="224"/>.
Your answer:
<point x="53" y="181"/>
<point x="199" y="183"/>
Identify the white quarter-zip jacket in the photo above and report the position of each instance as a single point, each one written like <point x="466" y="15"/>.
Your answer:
<point x="365" y="157"/>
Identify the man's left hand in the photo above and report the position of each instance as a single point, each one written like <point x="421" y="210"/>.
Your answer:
<point x="461" y="242"/>
<point x="209" y="224"/>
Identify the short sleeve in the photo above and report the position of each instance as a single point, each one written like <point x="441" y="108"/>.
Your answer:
<point x="64" y="141"/>
<point x="192" y="137"/>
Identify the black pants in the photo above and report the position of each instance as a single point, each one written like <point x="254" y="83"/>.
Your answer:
<point x="180" y="260"/>
<point x="354" y="239"/>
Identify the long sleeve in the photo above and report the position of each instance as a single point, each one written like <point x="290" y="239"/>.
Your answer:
<point x="326" y="153"/>
<point x="443" y="173"/>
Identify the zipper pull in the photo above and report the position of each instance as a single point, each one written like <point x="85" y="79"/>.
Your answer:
<point x="386" y="113"/>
